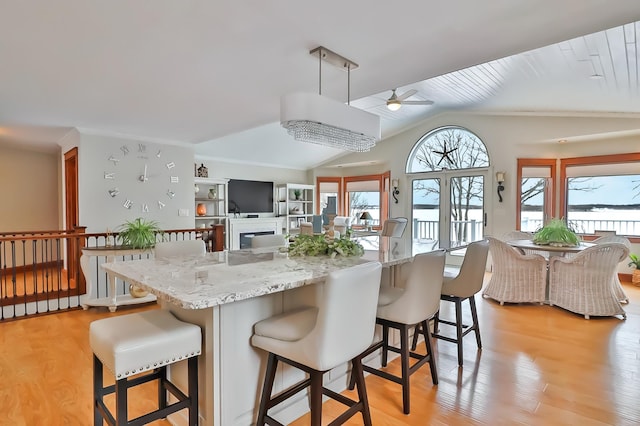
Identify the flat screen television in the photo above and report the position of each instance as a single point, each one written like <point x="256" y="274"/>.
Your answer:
<point x="250" y="196"/>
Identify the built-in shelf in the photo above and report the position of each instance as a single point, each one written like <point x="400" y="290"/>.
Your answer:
<point x="215" y="206"/>
<point x="296" y="203"/>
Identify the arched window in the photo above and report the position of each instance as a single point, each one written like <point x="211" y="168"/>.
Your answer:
<point x="447" y="148"/>
<point x="448" y="169"/>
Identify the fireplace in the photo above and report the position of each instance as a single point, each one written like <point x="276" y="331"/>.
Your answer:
<point x="242" y="230"/>
<point x="246" y="237"/>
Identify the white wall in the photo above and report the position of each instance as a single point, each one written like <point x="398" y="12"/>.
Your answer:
<point x="99" y="211"/>
<point x="30" y="190"/>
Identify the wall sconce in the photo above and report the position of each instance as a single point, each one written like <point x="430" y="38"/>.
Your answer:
<point x="396" y="192"/>
<point x="500" y="178"/>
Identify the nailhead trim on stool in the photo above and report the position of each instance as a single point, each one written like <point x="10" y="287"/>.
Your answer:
<point x="138" y="343"/>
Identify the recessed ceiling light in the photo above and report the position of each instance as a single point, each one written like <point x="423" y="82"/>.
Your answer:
<point x="596" y="76"/>
<point x="562" y="141"/>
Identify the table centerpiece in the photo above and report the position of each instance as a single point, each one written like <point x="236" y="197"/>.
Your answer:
<point x="323" y="245"/>
<point x="556" y="233"/>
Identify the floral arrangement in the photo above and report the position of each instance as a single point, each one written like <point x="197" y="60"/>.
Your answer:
<point x="319" y="245"/>
<point x="556" y="233"/>
<point x="635" y="261"/>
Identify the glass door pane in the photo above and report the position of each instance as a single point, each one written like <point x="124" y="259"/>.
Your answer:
<point x="466" y="209"/>
<point x="426" y="214"/>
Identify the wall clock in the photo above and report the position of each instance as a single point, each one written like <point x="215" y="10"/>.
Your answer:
<point x="142" y="178"/>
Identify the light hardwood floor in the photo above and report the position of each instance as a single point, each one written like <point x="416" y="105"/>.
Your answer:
<point x="539" y="365"/>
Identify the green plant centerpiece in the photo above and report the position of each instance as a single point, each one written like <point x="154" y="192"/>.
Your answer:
<point x="556" y="233"/>
<point x="319" y="245"/>
<point x="139" y="233"/>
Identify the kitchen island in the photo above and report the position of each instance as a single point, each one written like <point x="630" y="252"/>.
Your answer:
<point x="225" y="293"/>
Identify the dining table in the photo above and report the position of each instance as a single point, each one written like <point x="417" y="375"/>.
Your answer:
<point x="225" y="293"/>
<point x="553" y="250"/>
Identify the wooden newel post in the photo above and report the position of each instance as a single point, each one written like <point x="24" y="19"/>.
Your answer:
<point x="74" y="250"/>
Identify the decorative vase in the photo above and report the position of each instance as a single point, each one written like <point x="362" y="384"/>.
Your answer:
<point x="212" y="193"/>
<point x="201" y="209"/>
<point x="635" y="277"/>
<point x="136" y="291"/>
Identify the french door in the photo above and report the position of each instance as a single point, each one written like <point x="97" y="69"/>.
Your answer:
<point x="447" y="209"/>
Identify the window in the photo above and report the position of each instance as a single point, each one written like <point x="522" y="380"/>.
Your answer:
<point x="355" y="195"/>
<point x="602" y="193"/>
<point x="329" y="191"/>
<point x="534" y="202"/>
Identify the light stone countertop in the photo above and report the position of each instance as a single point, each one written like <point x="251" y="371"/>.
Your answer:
<point x="224" y="277"/>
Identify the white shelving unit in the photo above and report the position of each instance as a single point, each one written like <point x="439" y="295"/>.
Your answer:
<point x="293" y="207"/>
<point x="212" y="200"/>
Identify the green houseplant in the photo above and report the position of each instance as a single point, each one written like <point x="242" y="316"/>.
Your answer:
<point x="635" y="263"/>
<point x="139" y="233"/>
<point x="556" y="233"/>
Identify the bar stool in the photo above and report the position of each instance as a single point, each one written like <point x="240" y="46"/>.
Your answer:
<point x="461" y="287"/>
<point x="317" y="339"/>
<point x="136" y="343"/>
<point x="415" y="301"/>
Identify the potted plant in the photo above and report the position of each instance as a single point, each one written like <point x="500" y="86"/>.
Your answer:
<point x="139" y="233"/>
<point x="297" y="194"/>
<point x="635" y="263"/>
<point x="556" y="233"/>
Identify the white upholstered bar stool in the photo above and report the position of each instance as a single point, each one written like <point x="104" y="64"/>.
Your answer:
<point x="138" y="343"/>
<point x="167" y="249"/>
<point x="414" y="301"/>
<point x="319" y="338"/>
<point x="270" y="240"/>
<point x="461" y="287"/>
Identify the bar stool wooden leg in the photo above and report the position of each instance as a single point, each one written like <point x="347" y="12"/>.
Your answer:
<point x="474" y="316"/>
<point x="270" y="375"/>
<point x="358" y="375"/>
<point x="316" y="398"/>
<point x="193" y="391"/>
<point x="404" y="359"/>
<point x="98" y="384"/>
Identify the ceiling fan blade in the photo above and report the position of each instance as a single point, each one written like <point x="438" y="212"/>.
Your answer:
<point x="407" y="94"/>
<point x="417" y="102"/>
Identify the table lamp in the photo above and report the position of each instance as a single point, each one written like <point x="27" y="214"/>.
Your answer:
<point x="366" y="217"/>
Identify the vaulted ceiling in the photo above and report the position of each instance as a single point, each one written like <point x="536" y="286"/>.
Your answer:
<point x="211" y="73"/>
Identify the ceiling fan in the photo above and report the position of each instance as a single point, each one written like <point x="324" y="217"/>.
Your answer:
<point x="395" y="102"/>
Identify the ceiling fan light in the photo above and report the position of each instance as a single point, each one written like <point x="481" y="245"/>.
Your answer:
<point x="393" y="105"/>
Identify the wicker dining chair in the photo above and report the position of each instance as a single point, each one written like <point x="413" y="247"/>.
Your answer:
<point x="521" y="235"/>
<point x="516" y="277"/>
<point x="617" y="285"/>
<point x="582" y="284"/>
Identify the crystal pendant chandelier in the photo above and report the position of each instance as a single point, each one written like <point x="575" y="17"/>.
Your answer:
<point x="317" y="119"/>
